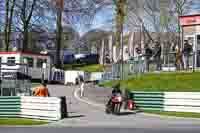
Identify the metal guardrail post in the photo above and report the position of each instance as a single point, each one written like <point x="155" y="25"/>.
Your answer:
<point x="64" y="112"/>
<point x="168" y="62"/>
<point x="193" y="62"/>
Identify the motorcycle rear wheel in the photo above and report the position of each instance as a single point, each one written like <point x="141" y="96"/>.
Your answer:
<point x="116" y="109"/>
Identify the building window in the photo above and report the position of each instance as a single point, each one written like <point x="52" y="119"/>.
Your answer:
<point x="11" y="61"/>
<point x="40" y="62"/>
<point x="29" y="61"/>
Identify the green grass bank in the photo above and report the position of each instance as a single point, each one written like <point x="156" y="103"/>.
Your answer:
<point x="18" y="121"/>
<point x="169" y="82"/>
<point x="85" y="67"/>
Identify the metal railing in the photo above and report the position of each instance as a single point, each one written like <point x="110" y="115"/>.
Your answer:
<point x="139" y="65"/>
<point x="15" y="82"/>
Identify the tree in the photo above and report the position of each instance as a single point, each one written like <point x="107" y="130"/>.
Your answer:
<point x="8" y="21"/>
<point x="71" y="12"/>
<point x="26" y="14"/>
<point x="138" y="12"/>
<point x="30" y="14"/>
<point x="93" y="37"/>
<point x="181" y="8"/>
<point x="2" y="12"/>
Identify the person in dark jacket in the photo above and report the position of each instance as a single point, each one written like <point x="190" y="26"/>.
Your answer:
<point x="148" y="55"/>
<point x="157" y="55"/>
<point x="116" y="89"/>
<point x="187" y="49"/>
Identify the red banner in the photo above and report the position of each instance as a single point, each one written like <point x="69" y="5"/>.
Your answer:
<point x="190" y="20"/>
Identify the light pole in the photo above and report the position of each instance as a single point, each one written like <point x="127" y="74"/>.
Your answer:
<point x="25" y="75"/>
<point x="26" y="66"/>
<point x="122" y="54"/>
<point x="120" y="18"/>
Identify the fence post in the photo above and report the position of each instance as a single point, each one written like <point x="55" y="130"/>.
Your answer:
<point x="193" y="61"/>
<point x="127" y="96"/>
<point x="64" y="112"/>
<point x="168" y="62"/>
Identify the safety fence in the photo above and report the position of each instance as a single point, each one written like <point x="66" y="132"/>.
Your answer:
<point x="44" y="108"/>
<point x="167" y="101"/>
<point x="57" y="76"/>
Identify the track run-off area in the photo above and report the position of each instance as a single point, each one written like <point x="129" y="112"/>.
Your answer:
<point x="87" y="116"/>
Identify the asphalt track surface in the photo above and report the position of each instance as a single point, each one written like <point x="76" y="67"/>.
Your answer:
<point x="85" y="118"/>
<point x="94" y="130"/>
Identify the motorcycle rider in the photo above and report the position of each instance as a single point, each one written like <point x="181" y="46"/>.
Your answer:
<point x="116" y="90"/>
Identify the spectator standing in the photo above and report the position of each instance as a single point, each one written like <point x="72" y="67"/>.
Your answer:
<point x="82" y="85"/>
<point x="157" y="55"/>
<point x="179" y="61"/>
<point x="147" y="54"/>
<point x="187" y="49"/>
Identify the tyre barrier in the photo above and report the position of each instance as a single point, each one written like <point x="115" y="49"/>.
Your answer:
<point x="44" y="108"/>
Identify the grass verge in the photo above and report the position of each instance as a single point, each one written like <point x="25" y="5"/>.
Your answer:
<point x="18" y="121"/>
<point x="85" y="67"/>
<point x="174" y="82"/>
<point x="175" y="114"/>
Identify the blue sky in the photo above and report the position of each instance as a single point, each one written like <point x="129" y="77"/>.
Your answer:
<point x="103" y="18"/>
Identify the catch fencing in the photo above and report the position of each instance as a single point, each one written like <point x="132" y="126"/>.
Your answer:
<point x="168" y="62"/>
<point x="167" y="101"/>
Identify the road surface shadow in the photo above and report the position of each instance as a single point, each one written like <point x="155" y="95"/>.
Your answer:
<point x="130" y="113"/>
<point x="76" y="116"/>
<point x="72" y="112"/>
<point x="127" y="113"/>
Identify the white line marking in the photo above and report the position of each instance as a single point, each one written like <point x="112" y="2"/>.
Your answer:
<point x="86" y="101"/>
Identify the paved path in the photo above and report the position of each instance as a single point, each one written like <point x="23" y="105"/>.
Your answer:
<point x="84" y="115"/>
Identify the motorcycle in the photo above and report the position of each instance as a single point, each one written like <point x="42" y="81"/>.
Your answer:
<point x="115" y="105"/>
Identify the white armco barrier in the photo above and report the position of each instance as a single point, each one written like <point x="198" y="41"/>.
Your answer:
<point x="48" y="108"/>
<point x="72" y="76"/>
<point x="182" y="101"/>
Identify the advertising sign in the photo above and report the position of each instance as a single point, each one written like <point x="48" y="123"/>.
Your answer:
<point x="190" y="20"/>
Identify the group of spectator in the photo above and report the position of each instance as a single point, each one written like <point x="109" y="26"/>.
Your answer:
<point x="149" y="54"/>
